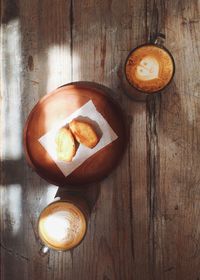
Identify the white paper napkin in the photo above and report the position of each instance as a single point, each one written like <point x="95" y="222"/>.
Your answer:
<point x="88" y="110"/>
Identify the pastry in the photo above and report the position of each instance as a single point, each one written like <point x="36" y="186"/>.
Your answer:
<point x="65" y="145"/>
<point x="84" y="133"/>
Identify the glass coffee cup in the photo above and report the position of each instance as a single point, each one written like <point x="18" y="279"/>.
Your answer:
<point x="150" y="68"/>
<point x="62" y="225"/>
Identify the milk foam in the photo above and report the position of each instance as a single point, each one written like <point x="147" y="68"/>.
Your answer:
<point x="148" y="69"/>
<point x="61" y="226"/>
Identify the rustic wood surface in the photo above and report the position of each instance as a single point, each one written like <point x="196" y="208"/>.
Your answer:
<point x="145" y="222"/>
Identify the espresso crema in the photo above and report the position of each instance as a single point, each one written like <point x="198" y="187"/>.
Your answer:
<point x="149" y="68"/>
<point x="62" y="225"/>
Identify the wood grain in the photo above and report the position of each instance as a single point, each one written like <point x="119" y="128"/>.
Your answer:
<point x="29" y="71"/>
<point x="176" y="120"/>
<point x="121" y="222"/>
<point x="145" y="223"/>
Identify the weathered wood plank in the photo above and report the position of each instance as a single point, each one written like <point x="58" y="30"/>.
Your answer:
<point x="173" y="125"/>
<point x="145" y="222"/>
<point x="41" y="34"/>
<point x="36" y="59"/>
<point x="104" y="32"/>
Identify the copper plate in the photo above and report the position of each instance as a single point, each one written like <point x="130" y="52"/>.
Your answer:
<point x="58" y="105"/>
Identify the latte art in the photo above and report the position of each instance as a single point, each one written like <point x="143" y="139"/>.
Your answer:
<point x="149" y="68"/>
<point x="61" y="225"/>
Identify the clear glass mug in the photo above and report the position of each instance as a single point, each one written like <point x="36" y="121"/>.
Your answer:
<point x="62" y="225"/>
<point x="138" y="55"/>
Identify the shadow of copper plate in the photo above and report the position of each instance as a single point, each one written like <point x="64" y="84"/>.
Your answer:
<point x="58" y="105"/>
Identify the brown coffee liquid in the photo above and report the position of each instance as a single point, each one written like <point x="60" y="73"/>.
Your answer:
<point x="62" y="225"/>
<point x="149" y="68"/>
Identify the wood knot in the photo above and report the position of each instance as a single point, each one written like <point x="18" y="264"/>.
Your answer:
<point x="176" y="207"/>
<point x="30" y="63"/>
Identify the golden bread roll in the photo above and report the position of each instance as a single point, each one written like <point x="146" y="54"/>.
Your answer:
<point x="84" y="133"/>
<point x="65" y="145"/>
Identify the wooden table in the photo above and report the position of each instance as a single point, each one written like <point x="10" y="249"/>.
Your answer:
<point x="146" y="221"/>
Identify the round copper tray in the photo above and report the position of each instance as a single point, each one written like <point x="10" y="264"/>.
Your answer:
<point x="59" y="104"/>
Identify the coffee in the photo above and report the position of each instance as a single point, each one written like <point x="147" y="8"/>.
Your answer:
<point x="149" y="68"/>
<point x="62" y="225"/>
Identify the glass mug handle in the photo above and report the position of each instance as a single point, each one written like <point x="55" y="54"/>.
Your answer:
<point x="43" y="250"/>
<point x="160" y="39"/>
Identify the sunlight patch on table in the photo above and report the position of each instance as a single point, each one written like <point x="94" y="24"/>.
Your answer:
<point x="11" y="91"/>
<point x="14" y="207"/>
<point x="59" y="66"/>
<point x="50" y="194"/>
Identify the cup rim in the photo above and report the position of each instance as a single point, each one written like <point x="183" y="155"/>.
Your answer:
<point x="158" y="46"/>
<point x="70" y="248"/>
